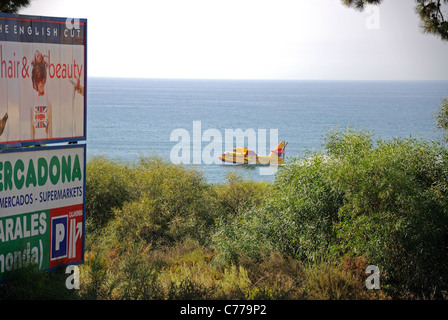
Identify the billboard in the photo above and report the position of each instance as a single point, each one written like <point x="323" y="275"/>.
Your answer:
<point x="42" y="196"/>
<point x="42" y="80"/>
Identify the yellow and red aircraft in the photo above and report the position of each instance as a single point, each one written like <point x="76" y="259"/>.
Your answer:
<point x="243" y="155"/>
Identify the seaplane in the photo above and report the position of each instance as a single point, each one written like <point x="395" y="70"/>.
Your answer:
<point x="241" y="155"/>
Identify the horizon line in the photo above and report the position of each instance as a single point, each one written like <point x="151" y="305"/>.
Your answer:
<point x="266" y="79"/>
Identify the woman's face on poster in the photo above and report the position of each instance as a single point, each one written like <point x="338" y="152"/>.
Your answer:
<point x="41" y="87"/>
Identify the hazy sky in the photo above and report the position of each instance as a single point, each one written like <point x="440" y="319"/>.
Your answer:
<point x="254" y="39"/>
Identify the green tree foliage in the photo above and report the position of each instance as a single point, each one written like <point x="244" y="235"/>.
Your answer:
<point x="162" y="232"/>
<point x="433" y="17"/>
<point x="386" y="200"/>
<point x="395" y="211"/>
<point x="165" y="203"/>
<point x="433" y="14"/>
<point x="13" y="6"/>
<point x="108" y="186"/>
<point x="442" y="117"/>
<point x="360" y="4"/>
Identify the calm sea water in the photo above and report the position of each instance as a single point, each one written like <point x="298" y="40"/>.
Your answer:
<point x="129" y="118"/>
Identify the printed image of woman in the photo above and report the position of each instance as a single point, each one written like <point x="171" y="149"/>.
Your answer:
<point x="3" y="123"/>
<point x="41" y="122"/>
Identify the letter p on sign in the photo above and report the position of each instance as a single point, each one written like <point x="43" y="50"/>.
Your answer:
<point x="59" y="237"/>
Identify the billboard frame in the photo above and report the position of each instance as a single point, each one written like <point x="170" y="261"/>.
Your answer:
<point x="53" y="148"/>
<point x="58" y="20"/>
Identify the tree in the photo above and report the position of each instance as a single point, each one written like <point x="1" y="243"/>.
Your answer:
<point x="442" y="117"/>
<point x="13" y="6"/>
<point x="432" y="13"/>
<point x="359" y="4"/>
<point x="432" y="17"/>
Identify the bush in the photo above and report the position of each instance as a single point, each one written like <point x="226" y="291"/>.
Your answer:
<point x="236" y="196"/>
<point x="344" y="280"/>
<point x="275" y="276"/>
<point x="395" y="213"/>
<point x="441" y="117"/>
<point x="171" y="204"/>
<point x="29" y="283"/>
<point x="297" y="219"/>
<point x="108" y="186"/>
<point x="387" y="201"/>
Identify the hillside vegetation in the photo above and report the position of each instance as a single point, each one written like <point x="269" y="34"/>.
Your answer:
<point x="155" y="230"/>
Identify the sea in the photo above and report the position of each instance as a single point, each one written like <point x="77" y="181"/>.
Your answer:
<point x="132" y="118"/>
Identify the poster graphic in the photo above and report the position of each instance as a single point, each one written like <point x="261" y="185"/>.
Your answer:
<point x="42" y="80"/>
<point x="42" y="195"/>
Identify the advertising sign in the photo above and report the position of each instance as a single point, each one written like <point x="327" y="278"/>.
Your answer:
<point x="42" y="194"/>
<point x="42" y="80"/>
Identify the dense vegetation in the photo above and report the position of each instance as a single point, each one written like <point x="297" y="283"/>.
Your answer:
<point x="155" y="230"/>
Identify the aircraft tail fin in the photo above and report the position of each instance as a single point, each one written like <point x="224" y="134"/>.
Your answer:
<point x="279" y="152"/>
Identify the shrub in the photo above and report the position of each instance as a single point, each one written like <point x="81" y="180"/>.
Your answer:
<point x="395" y="213"/>
<point x="387" y="201"/>
<point x="237" y="195"/>
<point x="136" y="278"/>
<point x="329" y="280"/>
<point x="108" y="186"/>
<point x="441" y="117"/>
<point x="274" y="276"/>
<point x="94" y="277"/>
<point x="297" y="219"/>
<point x="29" y="283"/>
<point x="172" y="204"/>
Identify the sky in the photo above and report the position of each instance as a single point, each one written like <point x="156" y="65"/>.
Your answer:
<point x="253" y="39"/>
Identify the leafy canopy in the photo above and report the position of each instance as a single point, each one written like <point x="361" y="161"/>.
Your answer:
<point x="13" y="6"/>
<point x="432" y="13"/>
